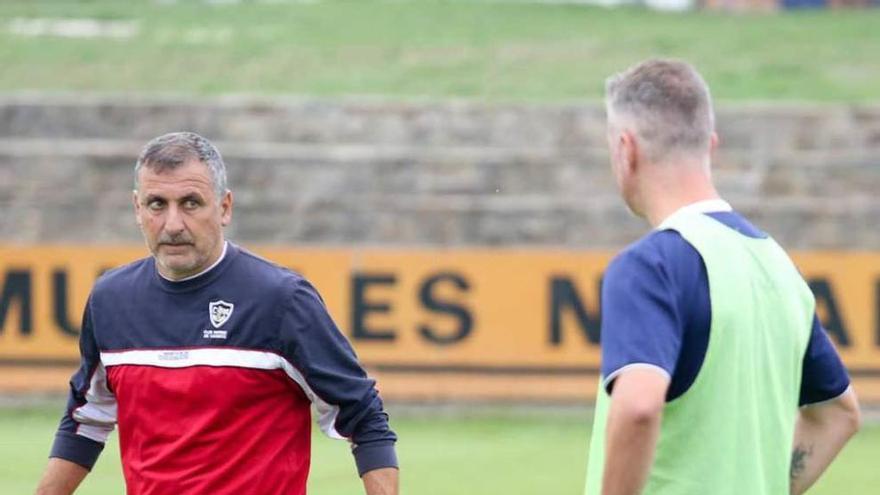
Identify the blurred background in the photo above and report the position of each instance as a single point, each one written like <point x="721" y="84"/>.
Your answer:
<point x="438" y="169"/>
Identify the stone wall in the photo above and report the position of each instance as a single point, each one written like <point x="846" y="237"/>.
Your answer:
<point x="374" y="172"/>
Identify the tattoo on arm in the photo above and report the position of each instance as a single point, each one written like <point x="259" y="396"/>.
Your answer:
<point x="799" y="460"/>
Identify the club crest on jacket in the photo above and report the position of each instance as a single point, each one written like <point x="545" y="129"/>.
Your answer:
<point x="220" y="311"/>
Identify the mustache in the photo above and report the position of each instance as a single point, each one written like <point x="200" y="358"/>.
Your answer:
<point x="175" y="240"/>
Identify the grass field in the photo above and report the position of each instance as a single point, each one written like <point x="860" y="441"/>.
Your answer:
<point x="483" y="453"/>
<point x="477" y="49"/>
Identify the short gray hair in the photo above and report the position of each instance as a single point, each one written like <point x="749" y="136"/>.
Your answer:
<point x="174" y="149"/>
<point x="668" y="103"/>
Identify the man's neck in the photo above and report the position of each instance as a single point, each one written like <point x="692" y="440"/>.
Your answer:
<point x="666" y="195"/>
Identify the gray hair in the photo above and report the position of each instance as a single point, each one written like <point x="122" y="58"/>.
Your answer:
<point x="667" y="102"/>
<point x="172" y="150"/>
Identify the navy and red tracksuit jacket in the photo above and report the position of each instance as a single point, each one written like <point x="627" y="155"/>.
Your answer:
<point x="210" y="381"/>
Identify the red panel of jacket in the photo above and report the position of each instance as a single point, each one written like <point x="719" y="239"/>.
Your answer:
<point x="211" y="430"/>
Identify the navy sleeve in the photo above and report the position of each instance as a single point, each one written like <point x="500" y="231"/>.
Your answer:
<point x="346" y="398"/>
<point x="824" y="375"/>
<point x="91" y="408"/>
<point x="641" y="324"/>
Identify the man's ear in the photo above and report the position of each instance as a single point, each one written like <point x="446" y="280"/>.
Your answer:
<point x="137" y="206"/>
<point x="629" y="150"/>
<point x="714" y="141"/>
<point x="226" y="209"/>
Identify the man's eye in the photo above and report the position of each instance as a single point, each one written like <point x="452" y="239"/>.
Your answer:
<point x="190" y="204"/>
<point x="155" y="204"/>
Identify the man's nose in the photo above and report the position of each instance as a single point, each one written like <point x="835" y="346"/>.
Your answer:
<point x="174" y="221"/>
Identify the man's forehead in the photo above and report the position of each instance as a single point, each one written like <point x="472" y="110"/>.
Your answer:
<point x="192" y="175"/>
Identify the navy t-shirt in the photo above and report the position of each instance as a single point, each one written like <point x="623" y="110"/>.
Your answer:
<point x="656" y="311"/>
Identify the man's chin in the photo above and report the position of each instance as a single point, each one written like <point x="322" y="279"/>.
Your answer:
<point x="176" y="266"/>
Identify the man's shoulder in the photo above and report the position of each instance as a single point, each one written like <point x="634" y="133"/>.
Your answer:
<point x="122" y="277"/>
<point x="268" y="280"/>
<point x="265" y="271"/>
<point x="657" y="249"/>
<point x="668" y="246"/>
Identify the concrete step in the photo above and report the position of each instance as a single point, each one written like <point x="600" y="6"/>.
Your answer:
<point x="302" y="121"/>
<point x="377" y="121"/>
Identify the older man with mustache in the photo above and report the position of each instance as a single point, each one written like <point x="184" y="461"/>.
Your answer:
<point x="208" y="357"/>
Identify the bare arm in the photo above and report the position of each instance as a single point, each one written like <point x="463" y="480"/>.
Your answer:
<point x="61" y="477"/>
<point x="382" y="481"/>
<point x="821" y="431"/>
<point x="633" y="429"/>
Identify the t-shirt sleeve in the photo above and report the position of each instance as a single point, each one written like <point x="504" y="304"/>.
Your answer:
<point x="824" y="375"/>
<point x="91" y="406"/>
<point x="346" y="398"/>
<point x="641" y="325"/>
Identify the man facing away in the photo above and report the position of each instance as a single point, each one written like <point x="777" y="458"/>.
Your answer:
<point x="717" y="377"/>
<point x="208" y="358"/>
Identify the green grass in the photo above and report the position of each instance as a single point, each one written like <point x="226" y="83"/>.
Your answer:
<point x="472" y="49"/>
<point x="486" y="453"/>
